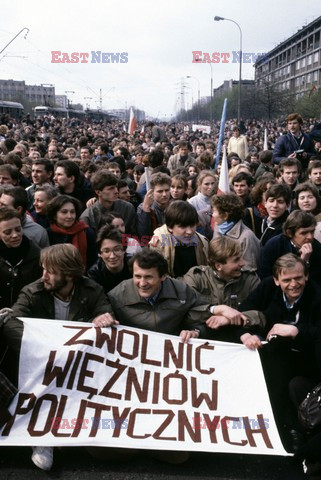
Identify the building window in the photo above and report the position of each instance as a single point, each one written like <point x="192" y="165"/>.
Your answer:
<point x="315" y="76"/>
<point x="309" y="78"/>
<point x="302" y="62"/>
<point x="315" y="57"/>
<point x="297" y="65"/>
<point x="310" y="60"/>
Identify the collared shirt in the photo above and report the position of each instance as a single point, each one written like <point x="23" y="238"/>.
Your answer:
<point x="152" y="300"/>
<point x="289" y="306"/>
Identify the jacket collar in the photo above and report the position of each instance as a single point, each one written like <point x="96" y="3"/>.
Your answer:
<point x="133" y="298"/>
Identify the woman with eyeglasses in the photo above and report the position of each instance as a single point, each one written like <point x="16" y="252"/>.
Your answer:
<point x="111" y="267"/>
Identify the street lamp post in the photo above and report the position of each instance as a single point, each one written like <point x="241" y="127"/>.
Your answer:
<point x="17" y="35"/>
<point x="198" y="94"/>
<point x="211" y="107"/>
<point x="217" y="19"/>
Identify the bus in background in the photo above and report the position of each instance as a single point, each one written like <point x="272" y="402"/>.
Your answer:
<point x="13" y="109"/>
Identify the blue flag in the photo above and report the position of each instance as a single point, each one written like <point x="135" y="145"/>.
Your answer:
<point x="221" y="137"/>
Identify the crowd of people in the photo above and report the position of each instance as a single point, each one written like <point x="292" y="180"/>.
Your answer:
<point x="102" y="226"/>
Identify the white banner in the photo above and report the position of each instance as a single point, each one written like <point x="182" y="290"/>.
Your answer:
<point x="123" y="387"/>
<point x="201" y="128"/>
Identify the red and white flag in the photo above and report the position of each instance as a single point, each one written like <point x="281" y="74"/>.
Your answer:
<point x="223" y="183"/>
<point x="132" y="122"/>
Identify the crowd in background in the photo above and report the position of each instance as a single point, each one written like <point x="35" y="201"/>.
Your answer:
<point x="112" y="194"/>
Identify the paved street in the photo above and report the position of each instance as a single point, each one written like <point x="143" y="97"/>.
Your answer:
<point x="75" y="463"/>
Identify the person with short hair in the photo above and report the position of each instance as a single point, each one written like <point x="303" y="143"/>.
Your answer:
<point x="314" y="173"/>
<point x="242" y="185"/>
<point x="101" y="150"/>
<point x="41" y="173"/>
<point x="85" y="153"/>
<point x="225" y="283"/>
<point x="307" y="199"/>
<point x="290" y="169"/>
<point x="62" y="293"/>
<point x="111" y="268"/>
<point x="178" y="241"/>
<point x="114" y="168"/>
<point x="288" y="306"/>
<point x="228" y="212"/>
<point x="17" y="198"/>
<point x="290" y="144"/>
<point x="158" y="133"/>
<point x="129" y="241"/>
<point x="266" y="163"/>
<point x="9" y="175"/>
<point x="123" y="191"/>
<point x="151" y="213"/>
<point x="277" y="201"/>
<point x="42" y="196"/>
<point x="19" y="257"/>
<point x="238" y="144"/>
<point x="297" y="238"/>
<point x="164" y="304"/>
<point x="70" y="181"/>
<point x="181" y="159"/>
<point x="253" y="216"/>
<point x="104" y="184"/>
<point x="199" y="148"/>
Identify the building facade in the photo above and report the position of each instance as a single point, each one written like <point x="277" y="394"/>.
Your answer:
<point x="12" y="90"/>
<point x="295" y="64"/>
<point x="228" y="86"/>
<point x="18" y="91"/>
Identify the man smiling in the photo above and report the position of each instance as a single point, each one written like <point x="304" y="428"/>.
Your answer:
<point x="289" y="306"/>
<point x="298" y="238"/>
<point x="153" y="301"/>
<point x="62" y="293"/>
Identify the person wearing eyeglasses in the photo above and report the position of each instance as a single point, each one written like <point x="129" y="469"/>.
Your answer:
<point x="111" y="267"/>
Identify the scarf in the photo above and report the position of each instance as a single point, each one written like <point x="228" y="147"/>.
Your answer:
<point x="225" y="227"/>
<point x="261" y="208"/>
<point x="78" y="234"/>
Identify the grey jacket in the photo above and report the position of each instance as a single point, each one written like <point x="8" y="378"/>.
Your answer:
<point x="176" y="308"/>
<point x="94" y="215"/>
<point x="175" y="162"/>
<point x="248" y="241"/>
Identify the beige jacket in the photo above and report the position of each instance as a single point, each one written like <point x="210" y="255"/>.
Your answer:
<point x="162" y="241"/>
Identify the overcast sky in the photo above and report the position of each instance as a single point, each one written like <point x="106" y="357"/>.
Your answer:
<point x="159" y="37"/>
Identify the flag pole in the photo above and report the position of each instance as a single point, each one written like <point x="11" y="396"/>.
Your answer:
<point x="221" y="136"/>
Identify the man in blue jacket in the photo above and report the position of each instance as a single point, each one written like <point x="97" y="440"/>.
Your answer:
<point x="290" y="144"/>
